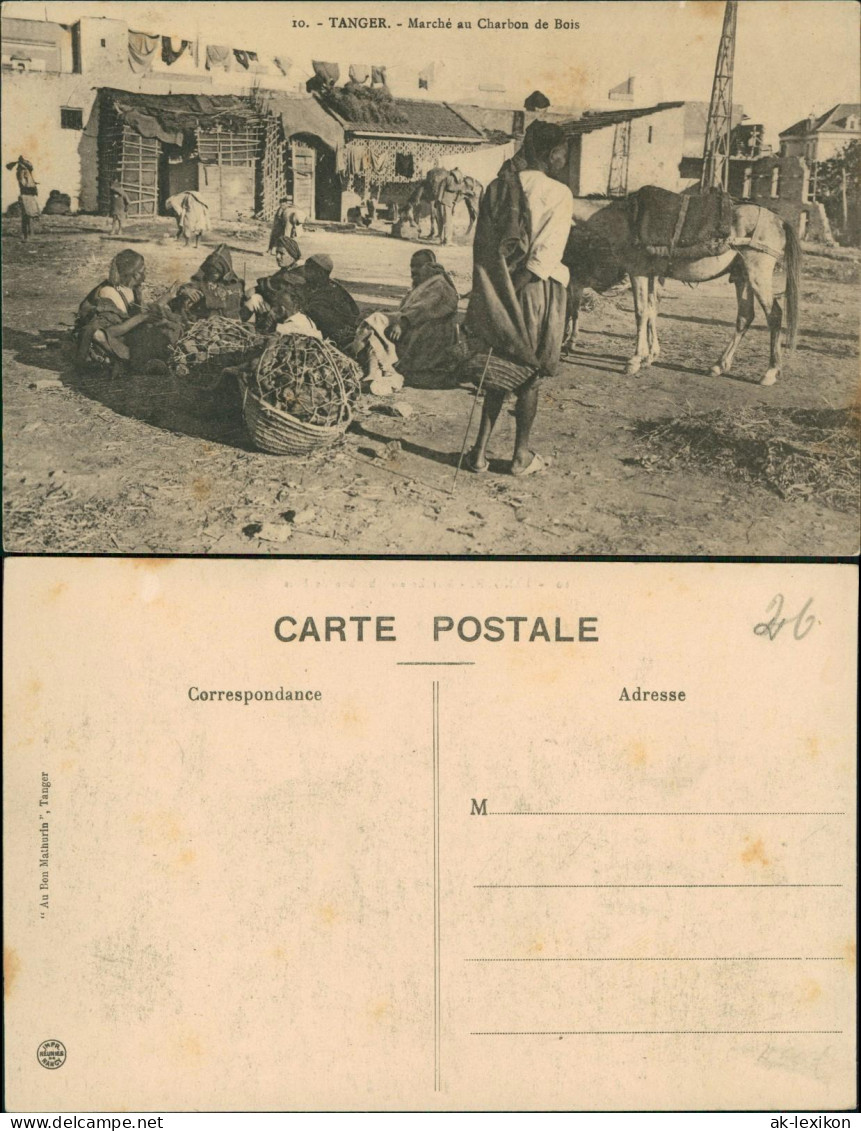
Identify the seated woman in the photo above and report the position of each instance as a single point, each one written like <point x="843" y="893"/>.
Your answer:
<point x="259" y="304"/>
<point x="110" y="312"/>
<point x="423" y="328"/>
<point x="329" y="305"/>
<point x="214" y="289"/>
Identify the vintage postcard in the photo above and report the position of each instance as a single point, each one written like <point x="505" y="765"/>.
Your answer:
<point x="431" y="278"/>
<point x="415" y="836"/>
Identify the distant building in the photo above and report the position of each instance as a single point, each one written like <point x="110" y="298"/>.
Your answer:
<point x="97" y="101"/>
<point x="817" y="139"/>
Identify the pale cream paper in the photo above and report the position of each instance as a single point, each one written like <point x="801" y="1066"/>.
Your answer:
<point x="282" y="905"/>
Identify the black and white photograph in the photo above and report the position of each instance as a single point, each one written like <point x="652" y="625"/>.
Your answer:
<point x="431" y="278"/>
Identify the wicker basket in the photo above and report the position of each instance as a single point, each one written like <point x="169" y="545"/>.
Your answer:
<point x="275" y="431"/>
<point x="204" y="385"/>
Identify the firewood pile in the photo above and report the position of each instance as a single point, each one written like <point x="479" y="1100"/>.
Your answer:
<point x="307" y="378"/>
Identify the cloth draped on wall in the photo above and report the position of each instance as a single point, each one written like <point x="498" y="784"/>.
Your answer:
<point x="170" y="52"/>
<point x="426" y="77"/>
<point x="359" y="72"/>
<point x="142" y="49"/>
<point x="377" y="160"/>
<point x="217" y="56"/>
<point x="244" y="58"/>
<point x="331" y="72"/>
<point x="378" y="76"/>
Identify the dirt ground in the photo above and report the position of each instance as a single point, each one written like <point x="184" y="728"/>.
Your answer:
<point x="94" y="465"/>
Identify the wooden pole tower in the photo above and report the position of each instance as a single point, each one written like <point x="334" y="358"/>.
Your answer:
<point x="715" y="171"/>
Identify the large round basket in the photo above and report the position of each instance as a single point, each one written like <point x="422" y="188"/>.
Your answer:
<point x="275" y="431"/>
<point x="203" y="380"/>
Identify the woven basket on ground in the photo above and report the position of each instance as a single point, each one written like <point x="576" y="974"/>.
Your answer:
<point x="199" y="359"/>
<point x="301" y="395"/>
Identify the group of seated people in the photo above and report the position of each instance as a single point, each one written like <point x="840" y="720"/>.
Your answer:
<point x="114" y="330"/>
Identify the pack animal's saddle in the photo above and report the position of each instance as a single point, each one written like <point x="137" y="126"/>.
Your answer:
<point x="672" y="226"/>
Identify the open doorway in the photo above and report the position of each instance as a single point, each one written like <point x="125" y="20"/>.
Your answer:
<point x="176" y="173"/>
<point x="316" y="189"/>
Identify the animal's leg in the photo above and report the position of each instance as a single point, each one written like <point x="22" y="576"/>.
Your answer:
<point x="473" y="212"/>
<point x="744" y="297"/>
<point x="652" y="325"/>
<point x="639" y="289"/>
<point x="761" y="273"/>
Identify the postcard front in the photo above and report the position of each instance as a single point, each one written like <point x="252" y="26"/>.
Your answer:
<point x="553" y="279"/>
<point x="416" y="836"/>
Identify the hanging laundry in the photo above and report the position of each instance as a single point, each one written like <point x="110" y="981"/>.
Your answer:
<point x="378" y="76"/>
<point x="359" y="72"/>
<point x="282" y="63"/>
<point x="172" y="48"/>
<point x="404" y="165"/>
<point x="377" y="158"/>
<point x="217" y="57"/>
<point x="330" y="72"/>
<point x="242" y="58"/>
<point x="426" y="77"/>
<point x="142" y="49"/>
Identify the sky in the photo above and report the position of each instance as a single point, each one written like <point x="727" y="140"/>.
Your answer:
<point x="793" y="57"/>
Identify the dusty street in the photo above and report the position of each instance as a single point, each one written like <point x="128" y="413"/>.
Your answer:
<point x="100" y="466"/>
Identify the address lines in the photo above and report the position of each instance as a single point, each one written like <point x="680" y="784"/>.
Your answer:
<point x="562" y="959"/>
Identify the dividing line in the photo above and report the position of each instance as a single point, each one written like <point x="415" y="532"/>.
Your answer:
<point x="713" y="958"/>
<point x="436" y="888"/>
<point x="681" y="813"/>
<point x="647" y="1032"/>
<point x="657" y="885"/>
<point x="435" y="664"/>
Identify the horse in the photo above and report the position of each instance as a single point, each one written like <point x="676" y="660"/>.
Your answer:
<point x="426" y="200"/>
<point x="601" y="250"/>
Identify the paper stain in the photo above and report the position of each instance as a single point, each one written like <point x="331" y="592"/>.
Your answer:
<point x="849" y="954"/>
<point x="811" y="747"/>
<point x="187" y="857"/>
<point x="755" y="852"/>
<point x="201" y="489"/>
<point x="352" y="718"/>
<point x="159" y="827"/>
<point x="328" y="914"/>
<point x="535" y="947"/>
<point x="68" y="764"/>
<point x="34" y="687"/>
<point x="809" y="991"/>
<point x="150" y="563"/>
<point x="707" y="9"/>
<point x="638" y="754"/>
<point x="57" y="590"/>
<point x="11" y="969"/>
<point x="278" y="954"/>
<point x="379" y="1009"/>
<point x="190" y="1047"/>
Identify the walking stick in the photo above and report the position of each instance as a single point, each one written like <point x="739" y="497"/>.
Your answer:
<point x="469" y="422"/>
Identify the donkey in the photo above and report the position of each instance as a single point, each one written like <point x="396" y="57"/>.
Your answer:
<point x="601" y="250"/>
<point x="425" y="200"/>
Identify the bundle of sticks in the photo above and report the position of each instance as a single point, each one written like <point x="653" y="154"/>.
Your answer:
<point x="210" y="345"/>
<point x="308" y="378"/>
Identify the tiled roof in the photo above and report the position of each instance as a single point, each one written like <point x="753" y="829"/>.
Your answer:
<point x="603" y="118"/>
<point x="422" y="119"/>
<point x="833" y="119"/>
